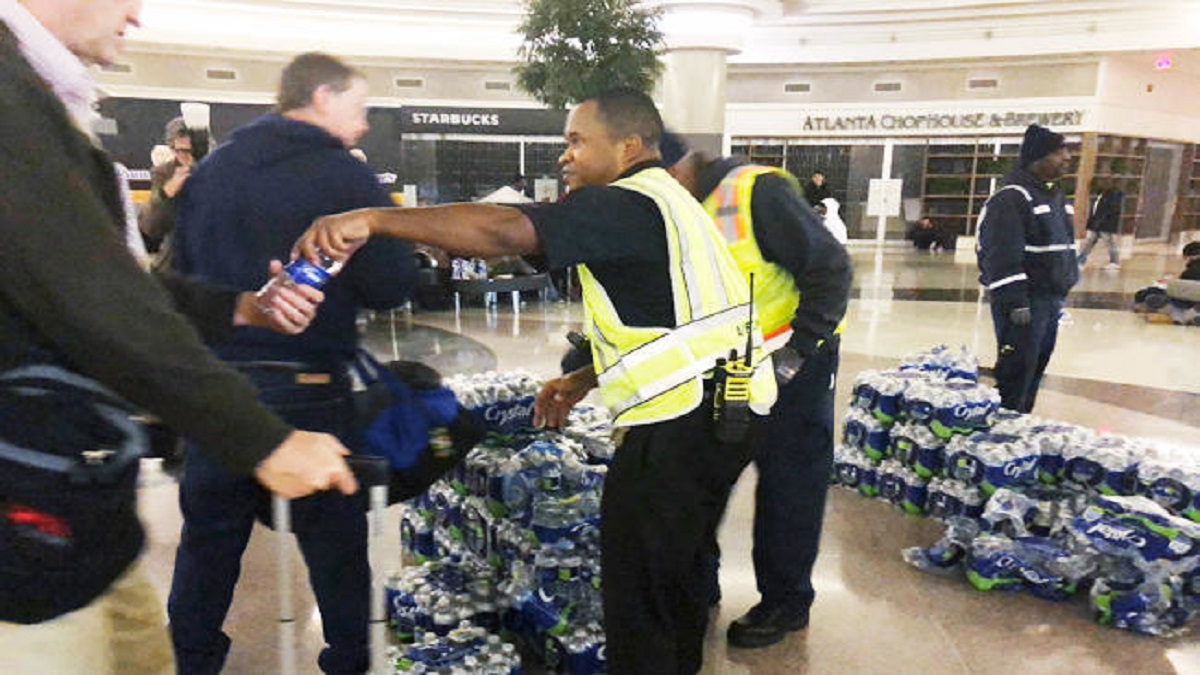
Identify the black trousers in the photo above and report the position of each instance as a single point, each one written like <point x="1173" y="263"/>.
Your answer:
<point x="219" y="511"/>
<point x="794" y="459"/>
<point x="1024" y="351"/>
<point x="663" y="499"/>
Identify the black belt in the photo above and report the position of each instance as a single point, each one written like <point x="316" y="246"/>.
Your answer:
<point x="302" y="372"/>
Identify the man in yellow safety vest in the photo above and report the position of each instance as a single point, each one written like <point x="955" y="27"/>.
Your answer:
<point x="802" y="278"/>
<point x="664" y="301"/>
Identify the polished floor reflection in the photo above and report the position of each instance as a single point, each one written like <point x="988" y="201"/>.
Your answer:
<point x="873" y="614"/>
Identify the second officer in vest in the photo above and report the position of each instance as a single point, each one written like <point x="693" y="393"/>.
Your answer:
<point x="664" y="301"/>
<point x="802" y="278"/>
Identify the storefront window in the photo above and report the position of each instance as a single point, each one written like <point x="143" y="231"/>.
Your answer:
<point x="541" y="161"/>
<point x="908" y="165"/>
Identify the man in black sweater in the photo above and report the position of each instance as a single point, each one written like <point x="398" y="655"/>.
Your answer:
<point x="71" y="294"/>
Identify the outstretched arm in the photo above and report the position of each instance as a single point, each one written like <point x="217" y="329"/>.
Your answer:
<point x="483" y="230"/>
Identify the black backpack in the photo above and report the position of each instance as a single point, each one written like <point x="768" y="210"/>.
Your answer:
<point x="69" y="457"/>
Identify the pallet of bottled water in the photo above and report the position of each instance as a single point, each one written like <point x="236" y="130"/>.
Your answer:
<point x="503" y="401"/>
<point x="507" y="546"/>
<point x="1029" y="504"/>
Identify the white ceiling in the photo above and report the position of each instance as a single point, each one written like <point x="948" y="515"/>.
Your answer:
<point x="790" y="32"/>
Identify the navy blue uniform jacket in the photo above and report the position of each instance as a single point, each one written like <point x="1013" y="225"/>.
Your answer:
<point x="1026" y="242"/>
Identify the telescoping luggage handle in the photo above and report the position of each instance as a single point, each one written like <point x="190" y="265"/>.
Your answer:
<point x="372" y="474"/>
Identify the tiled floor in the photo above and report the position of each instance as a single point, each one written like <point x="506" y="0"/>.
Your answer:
<point x="873" y="613"/>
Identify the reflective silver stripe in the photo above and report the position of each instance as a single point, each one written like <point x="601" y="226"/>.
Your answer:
<point x="727" y="215"/>
<point x="708" y="246"/>
<point x="1018" y="188"/>
<point x="665" y="205"/>
<point x="1069" y="209"/>
<point x="1008" y="280"/>
<point x="652" y="391"/>
<point x="979" y="224"/>
<point x="676" y="338"/>
<point x="1049" y="249"/>
<point x="595" y="332"/>
<point x="695" y="296"/>
<point x="777" y="342"/>
<point x="1040" y="209"/>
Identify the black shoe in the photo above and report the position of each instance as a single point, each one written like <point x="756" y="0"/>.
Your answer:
<point x="763" y="626"/>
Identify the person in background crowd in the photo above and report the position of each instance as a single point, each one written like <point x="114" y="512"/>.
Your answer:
<point x="815" y="190"/>
<point x="664" y="300"/>
<point x="1104" y="222"/>
<point x="927" y="235"/>
<point x="1027" y="263"/>
<point x="133" y="235"/>
<point x="166" y="180"/>
<point x="831" y="214"/>
<point x="72" y="295"/>
<point x="246" y="204"/>
<point x="802" y="278"/>
<point x="1191" y="259"/>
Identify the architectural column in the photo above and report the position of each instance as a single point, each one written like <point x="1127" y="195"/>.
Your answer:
<point x="700" y="35"/>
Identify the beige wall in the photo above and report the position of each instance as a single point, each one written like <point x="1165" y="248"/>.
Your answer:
<point x="936" y="81"/>
<point x="1137" y="100"/>
<point x="184" y="76"/>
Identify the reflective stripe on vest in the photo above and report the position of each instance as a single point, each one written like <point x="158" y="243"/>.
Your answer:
<point x="652" y="374"/>
<point x="775" y="294"/>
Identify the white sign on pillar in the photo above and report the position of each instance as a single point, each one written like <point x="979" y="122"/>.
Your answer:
<point x="884" y="197"/>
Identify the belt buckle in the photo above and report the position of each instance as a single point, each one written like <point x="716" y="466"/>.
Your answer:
<point x="313" y="378"/>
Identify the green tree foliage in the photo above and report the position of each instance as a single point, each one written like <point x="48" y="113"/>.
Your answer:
<point x="574" y="49"/>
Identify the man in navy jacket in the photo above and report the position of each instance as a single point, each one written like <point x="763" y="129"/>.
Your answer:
<point x="244" y="205"/>
<point x="1027" y="263"/>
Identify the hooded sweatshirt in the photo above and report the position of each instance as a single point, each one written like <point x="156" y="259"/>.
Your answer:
<point x="247" y="204"/>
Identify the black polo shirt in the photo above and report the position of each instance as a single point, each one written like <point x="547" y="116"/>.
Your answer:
<point x="621" y="236"/>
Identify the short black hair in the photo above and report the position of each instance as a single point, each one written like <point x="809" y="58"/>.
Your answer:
<point x="309" y="72"/>
<point x="628" y="112"/>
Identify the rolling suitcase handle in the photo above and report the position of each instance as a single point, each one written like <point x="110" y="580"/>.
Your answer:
<point x="372" y="474"/>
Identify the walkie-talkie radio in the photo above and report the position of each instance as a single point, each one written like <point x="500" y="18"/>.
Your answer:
<point x="731" y="393"/>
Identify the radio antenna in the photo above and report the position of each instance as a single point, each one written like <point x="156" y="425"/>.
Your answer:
<point x="750" y="323"/>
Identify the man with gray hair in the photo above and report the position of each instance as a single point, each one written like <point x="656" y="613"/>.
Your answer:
<point x="72" y="296"/>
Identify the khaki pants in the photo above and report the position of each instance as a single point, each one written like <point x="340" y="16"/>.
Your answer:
<point x="123" y="632"/>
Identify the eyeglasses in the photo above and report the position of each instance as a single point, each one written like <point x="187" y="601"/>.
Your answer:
<point x="182" y="151"/>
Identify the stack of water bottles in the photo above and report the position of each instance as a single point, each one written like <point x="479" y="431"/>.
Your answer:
<point x="468" y="269"/>
<point x="901" y="424"/>
<point x="510" y="541"/>
<point x="1029" y="504"/>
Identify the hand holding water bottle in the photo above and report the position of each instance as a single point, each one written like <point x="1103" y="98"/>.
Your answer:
<point x="285" y="308"/>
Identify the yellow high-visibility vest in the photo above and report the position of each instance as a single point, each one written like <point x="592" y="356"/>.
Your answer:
<point x="776" y="296"/>
<point x="653" y="374"/>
